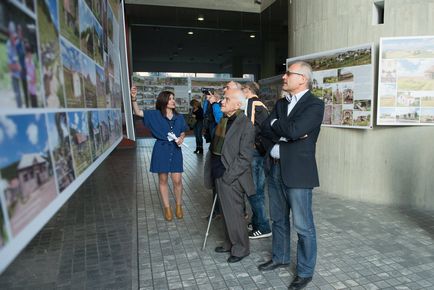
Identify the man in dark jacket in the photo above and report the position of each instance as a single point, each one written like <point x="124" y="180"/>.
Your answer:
<point x="257" y="113"/>
<point x="228" y="168"/>
<point x="294" y="127"/>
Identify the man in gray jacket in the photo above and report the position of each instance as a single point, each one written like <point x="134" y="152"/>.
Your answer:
<point x="228" y="163"/>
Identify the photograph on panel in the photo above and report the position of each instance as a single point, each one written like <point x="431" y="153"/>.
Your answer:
<point x="60" y="144"/>
<point x="52" y="74"/>
<point x="26" y="168"/>
<point x="96" y="144"/>
<point x="74" y="92"/>
<point x="80" y="142"/>
<point x="19" y="59"/>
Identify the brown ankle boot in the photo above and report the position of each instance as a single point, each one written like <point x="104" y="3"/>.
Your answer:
<point x="179" y="213"/>
<point x="168" y="215"/>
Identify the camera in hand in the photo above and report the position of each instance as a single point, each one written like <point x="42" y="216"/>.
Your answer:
<point x="207" y="91"/>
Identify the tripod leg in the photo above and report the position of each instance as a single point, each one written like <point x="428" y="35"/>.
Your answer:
<point x="209" y="222"/>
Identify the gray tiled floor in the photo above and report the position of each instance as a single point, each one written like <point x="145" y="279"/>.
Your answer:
<point x="112" y="235"/>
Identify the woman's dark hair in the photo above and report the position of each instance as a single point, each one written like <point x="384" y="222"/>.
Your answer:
<point x="162" y="100"/>
<point x="194" y="101"/>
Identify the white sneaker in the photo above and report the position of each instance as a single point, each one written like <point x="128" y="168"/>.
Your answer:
<point x="259" y="235"/>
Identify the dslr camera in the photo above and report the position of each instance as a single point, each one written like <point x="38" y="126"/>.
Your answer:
<point x="207" y="91"/>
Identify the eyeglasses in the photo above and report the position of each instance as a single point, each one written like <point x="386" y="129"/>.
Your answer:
<point x="288" y="73"/>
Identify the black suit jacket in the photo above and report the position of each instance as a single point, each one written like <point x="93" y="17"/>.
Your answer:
<point x="297" y="156"/>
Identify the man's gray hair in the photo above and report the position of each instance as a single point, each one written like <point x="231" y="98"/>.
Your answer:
<point x="306" y="70"/>
<point x="237" y="85"/>
<point x="241" y="98"/>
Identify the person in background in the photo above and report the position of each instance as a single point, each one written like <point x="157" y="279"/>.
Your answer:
<point x="14" y="63"/>
<point x="257" y="113"/>
<point x="197" y="113"/>
<point x="31" y="77"/>
<point x="228" y="169"/>
<point x="166" y="155"/>
<point x="294" y="126"/>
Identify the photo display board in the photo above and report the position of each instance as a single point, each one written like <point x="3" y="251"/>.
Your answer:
<point x="148" y="89"/>
<point x="60" y="107"/>
<point x="270" y="90"/>
<point x="196" y="85"/>
<point x="343" y="79"/>
<point x="406" y="81"/>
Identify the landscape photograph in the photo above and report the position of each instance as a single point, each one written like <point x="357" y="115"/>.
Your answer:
<point x="388" y="71"/>
<point x="387" y="95"/>
<point x="52" y="74"/>
<point x="86" y="29"/>
<point x="25" y="168"/>
<point x="95" y="134"/>
<point x="69" y="20"/>
<point x="80" y="142"/>
<point x="415" y="75"/>
<point x="60" y="145"/>
<point x="100" y="86"/>
<point x="408" y="47"/>
<point x="408" y="115"/>
<point x="89" y="81"/>
<point x="427" y="115"/>
<point x="72" y="75"/>
<point x="387" y="115"/>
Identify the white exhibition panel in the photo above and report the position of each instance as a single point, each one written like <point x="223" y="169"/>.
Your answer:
<point x="406" y="81"/>
<point x="343" y="79"/>
<point x="60" y="107"/>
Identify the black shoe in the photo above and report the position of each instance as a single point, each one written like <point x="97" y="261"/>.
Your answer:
<point x="200" y="151"/>
<point x="215" y="216"/>
<point x="196" y="151"/>
<point x="299" y="283"/>
<point x="220" y="249"/>
<point x="270" y="265"/>
<point x="234" y="259"/>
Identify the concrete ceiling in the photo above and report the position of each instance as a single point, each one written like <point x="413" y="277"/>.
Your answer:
<point x="160" y="41"/>
<point x="230" y="5"/>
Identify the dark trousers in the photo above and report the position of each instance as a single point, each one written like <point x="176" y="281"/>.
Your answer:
<point x="232" y="203"/>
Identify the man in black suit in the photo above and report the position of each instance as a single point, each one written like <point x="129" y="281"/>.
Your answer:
<point x="294" y="126"/>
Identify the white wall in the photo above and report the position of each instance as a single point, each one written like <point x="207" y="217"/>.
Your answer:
<point x="389" y="165"/>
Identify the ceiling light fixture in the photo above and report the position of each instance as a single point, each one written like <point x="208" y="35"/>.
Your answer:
<point x="252" y="36"/>
<point x="190" y="32"/>
<point x="200" y="18"/>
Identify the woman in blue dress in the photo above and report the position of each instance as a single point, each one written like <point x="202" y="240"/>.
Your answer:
<point x="166" y="155"/>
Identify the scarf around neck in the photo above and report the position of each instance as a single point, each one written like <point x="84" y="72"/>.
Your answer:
<point x="220" y="133"/>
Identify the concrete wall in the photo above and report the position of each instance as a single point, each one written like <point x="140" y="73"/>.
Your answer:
<point x="389" y="165"/>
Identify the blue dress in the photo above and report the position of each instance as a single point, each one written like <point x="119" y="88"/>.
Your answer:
<point x="166" y="155"/>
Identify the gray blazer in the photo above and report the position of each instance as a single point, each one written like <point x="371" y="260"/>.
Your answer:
<point x="237" y="156"/>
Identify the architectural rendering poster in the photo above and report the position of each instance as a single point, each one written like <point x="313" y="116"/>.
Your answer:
<point x="406" y="81"/>
<point x="270" y="90"/>
<point x="60" y="107"/>
<point x="343" y="79"/>
<point x="148" y="89"/>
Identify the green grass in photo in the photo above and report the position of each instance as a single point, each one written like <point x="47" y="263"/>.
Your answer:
<point x="415" y="84"/>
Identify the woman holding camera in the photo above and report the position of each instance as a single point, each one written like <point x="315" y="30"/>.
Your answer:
<point x="166" y="155"/>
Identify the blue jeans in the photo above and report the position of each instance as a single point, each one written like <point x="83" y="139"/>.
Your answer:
<point x="197" y="129"/>
<point x="284" y="200"/>
<point x="257" y="201"/>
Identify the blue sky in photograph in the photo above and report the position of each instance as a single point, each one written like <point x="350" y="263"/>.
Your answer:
<point x="100" y="72"/>
<point x="95" y="119"/>
<point x="408" y="43"/>
<point x="20" y="135"/>
<point x="70" y="55"/>
<point x="88" y="68"/>
<point x="78" y="121"/>
<point x="52" y="6"/>
<point x="52" y="130"/>
<point x="86" y="17"/>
